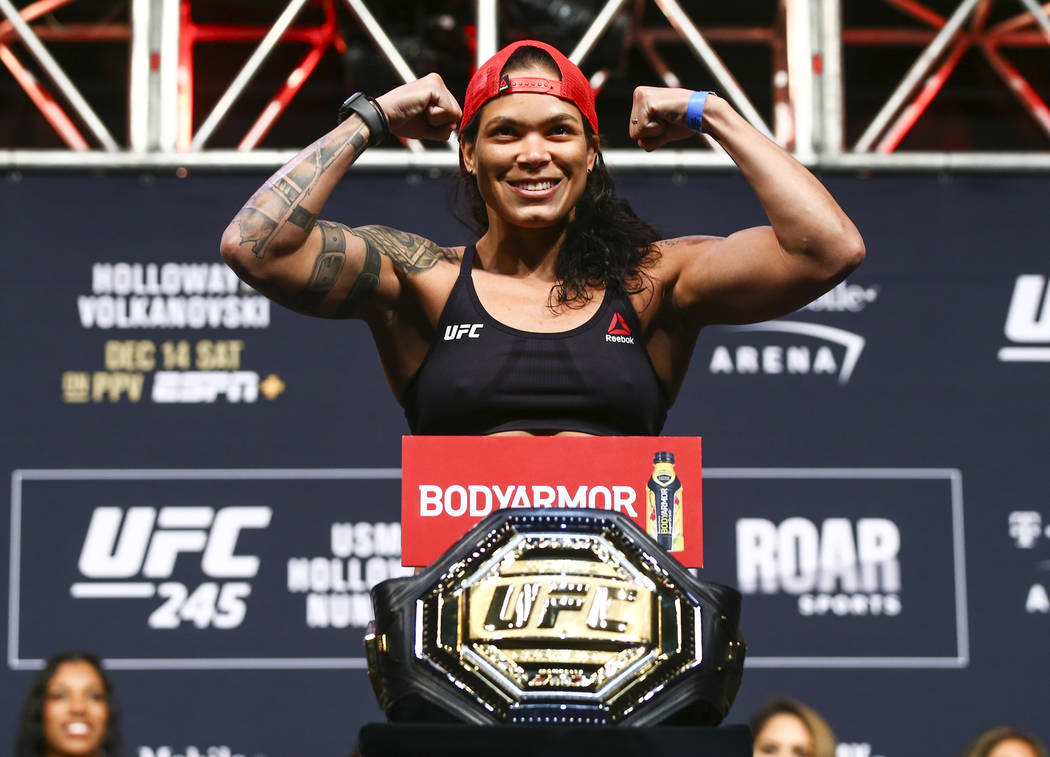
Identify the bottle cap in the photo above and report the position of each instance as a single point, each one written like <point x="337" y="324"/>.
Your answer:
<point x="663" y="457"/>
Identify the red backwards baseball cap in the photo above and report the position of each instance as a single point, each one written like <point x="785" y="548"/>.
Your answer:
<point x="486" y="83"/>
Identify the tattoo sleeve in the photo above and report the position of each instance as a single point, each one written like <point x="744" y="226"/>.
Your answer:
<point x="327" y="265"/>
<point x="410" y="254"/>
<point x="365" y="284"/>
<point x="280" y="200"/>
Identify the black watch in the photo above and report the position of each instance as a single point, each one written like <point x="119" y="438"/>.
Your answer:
<point x="370" y="112"/>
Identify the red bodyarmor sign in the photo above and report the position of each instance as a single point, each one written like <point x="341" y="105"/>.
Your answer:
<point x="449" y="483"/>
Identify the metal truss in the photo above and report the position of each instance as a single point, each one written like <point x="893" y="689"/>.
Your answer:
<point x="805" y="42"/>
<point x="940" y="57"/>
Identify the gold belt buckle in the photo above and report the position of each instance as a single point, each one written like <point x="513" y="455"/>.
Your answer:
<point x="540" y="617"/>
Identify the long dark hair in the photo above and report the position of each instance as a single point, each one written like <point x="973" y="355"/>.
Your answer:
<point x="606" y="245"/>
<point x="30" y="741"/>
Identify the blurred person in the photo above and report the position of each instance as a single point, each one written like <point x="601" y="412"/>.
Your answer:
<point x="1005" y="741"/>
<point x="788" y="728"/>
<point x="70" y="711"/>
<point x="570" y="315"/>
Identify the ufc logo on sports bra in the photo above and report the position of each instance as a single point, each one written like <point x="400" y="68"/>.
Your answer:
<point x="458" y="331"/>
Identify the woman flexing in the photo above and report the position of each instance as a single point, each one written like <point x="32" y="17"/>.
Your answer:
<point x="569" y="315"/>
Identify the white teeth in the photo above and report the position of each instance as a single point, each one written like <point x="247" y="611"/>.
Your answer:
<point x="78" y="728"/>
<point x="536" y="186"/>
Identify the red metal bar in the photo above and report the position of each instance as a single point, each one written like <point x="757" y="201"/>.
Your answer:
<point x="919" y="11"/>
<point x="923" y="37"/>
<point x="30" y="13"/>
<point x="756" y="34"/>
<point x="656" y="61"/>
<point x="83" y="33"/>
<point x="217" y="33"/>
<point x="889" y="36"/>
<point x="980" y="16"/>
<point x="906" y="120"/>
<point x="279" y="101"/>
<point x="322" y="37"/>
<point x="44" y="102"/>
<point x="184" y="84"/>
<point x="1018" y="39"/>
<point x="1013" y="32"/>
<point x="319" y="37"/>
<point x="1016" y="83"/>
<point x="38" y="94"/>
<point x="1019" y="21"/>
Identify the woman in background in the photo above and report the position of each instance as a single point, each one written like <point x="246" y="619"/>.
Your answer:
<point x="788" y="728"/>
<point x="1005" y="741"/>
<point x="70" y="711"/>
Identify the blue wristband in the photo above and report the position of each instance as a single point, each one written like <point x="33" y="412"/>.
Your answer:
<point x="694" y="114"/>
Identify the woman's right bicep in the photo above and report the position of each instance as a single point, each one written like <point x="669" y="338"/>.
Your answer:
<point x="334" y="274"/>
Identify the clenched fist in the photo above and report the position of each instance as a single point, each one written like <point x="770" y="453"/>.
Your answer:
<point x="422" y="109"/>
<point x="658" y="116"/>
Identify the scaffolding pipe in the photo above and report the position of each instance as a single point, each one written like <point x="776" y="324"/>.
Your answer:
<point x="1039" y="14"/>
<point x="800" y="75"/>
<point x="42" y="99"/>
<point x="139" y="96"/>
<point x="594" y="32"/>
<point x="832" y="111"/>
<point x="58" y="76"/>
<point x="386" y="47"/>
<point x="258" y="56"/>
<point x="30" y="13"/>
<point x="918" y="70"/>
<point x="692" y="36"/>
<point x="167" y="107"/>
<point x="487" y="26"/>
<point x="389" y="51"/>
<point x="438" y="162"/>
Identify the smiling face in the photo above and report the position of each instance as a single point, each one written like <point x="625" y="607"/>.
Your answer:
<point x="75" y="712"/>
<point x="784" y="735"/>
<point x="531" y="157"/>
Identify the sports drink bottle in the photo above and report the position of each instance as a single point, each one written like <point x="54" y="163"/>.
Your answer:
<point x="664" y="504"/>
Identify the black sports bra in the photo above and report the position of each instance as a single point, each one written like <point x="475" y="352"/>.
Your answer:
<point x="481" y="376"/>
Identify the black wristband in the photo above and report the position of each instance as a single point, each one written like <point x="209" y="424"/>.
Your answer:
<point x="370" y="112"/>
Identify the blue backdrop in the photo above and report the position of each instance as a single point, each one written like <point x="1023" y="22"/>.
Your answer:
<point x="204" y="486"/>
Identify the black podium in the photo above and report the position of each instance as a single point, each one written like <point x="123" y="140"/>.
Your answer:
<point x="425" y="740"/>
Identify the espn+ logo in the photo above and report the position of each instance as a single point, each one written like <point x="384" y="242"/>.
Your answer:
<point x="124" y="548"/>
<point x="836" y="568"/>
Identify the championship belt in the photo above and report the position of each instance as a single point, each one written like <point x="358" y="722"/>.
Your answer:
<point x="540" y="616"/>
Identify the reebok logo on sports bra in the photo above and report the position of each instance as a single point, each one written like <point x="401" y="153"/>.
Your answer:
<point x="618" y="326"/>
<point x="618" y="330"/>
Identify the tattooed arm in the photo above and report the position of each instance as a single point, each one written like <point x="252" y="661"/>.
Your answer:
<point x="330" y="293"/>
<point x="277" y="244"/>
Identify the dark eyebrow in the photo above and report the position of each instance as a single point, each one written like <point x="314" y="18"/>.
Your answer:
<point x="508" y="121"/>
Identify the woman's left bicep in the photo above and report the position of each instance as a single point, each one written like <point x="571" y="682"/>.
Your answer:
<point x="748" y="277"/>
